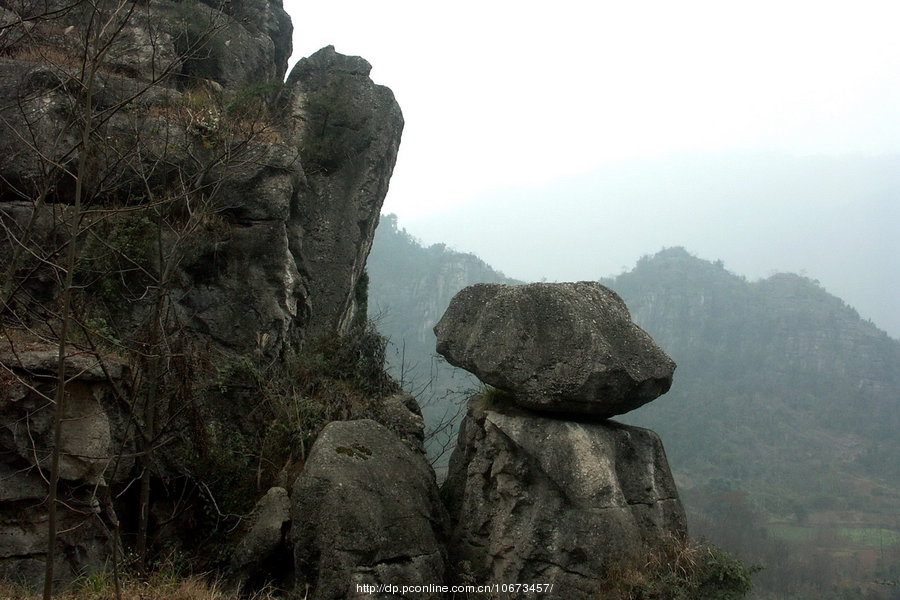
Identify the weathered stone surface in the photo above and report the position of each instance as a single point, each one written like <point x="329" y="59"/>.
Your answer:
<point x="244" y="292"/>
<point x="27" y="410"/>
<point x="401" y="414"/>
<point x="365" y="511"/>
<point x="270" y="18"/>
<point x="262" y="550"/>
<point x="229" y="49"/>
<point x="146" y="47"/>
<point x="92" y="453"/>
<point x="348" y="130"/>
<point x="558" y="347"/>
<point x="236" y="45"/>
<point x="537" y="499"/>
<point x="261" y="187"/>
<point x="285" y="207"/>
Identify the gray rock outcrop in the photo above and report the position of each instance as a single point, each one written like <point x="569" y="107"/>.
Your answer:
<point x="557" y="347"/>
<point x="261" y="551"/>
<point x="542" y="487"/>
<point x="349" y="131"/>
<point x="270" y="204"/>
<point x="227" y="219"/>
<point x="537" y="499"/>
<point x="92" y="456"/>
<point x="365" y="510"/>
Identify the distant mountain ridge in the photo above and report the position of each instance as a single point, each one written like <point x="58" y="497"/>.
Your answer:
<point x="780" y="353"/>
<point x="781" y="424"/>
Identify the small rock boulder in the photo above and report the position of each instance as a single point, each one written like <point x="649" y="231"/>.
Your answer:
<point x="366" y="510"/>
<point x="258" y="557"/>
<point x="557" y="347"/>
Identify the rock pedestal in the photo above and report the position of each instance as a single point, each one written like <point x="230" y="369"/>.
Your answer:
<point x="536" y="499"/>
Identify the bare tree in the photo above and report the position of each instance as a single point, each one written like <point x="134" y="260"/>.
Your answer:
<point x="148" y="160"/>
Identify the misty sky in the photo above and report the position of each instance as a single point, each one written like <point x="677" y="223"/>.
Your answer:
<point x="566" y="139"/>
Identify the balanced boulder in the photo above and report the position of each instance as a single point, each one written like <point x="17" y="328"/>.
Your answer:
<point x="556" y="347"/>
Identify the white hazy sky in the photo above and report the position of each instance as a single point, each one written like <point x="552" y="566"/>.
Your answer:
<point x="504" y="98"/>
<point x="499" y="93"/>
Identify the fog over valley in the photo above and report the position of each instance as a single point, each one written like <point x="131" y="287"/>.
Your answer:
<point x="565" y="141"/>
<point x="834" y="219"/>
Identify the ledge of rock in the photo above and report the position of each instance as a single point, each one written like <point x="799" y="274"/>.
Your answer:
<point x="557" y="347"/>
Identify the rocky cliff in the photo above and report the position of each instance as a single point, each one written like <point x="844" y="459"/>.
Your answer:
<point x="187" y="215"/>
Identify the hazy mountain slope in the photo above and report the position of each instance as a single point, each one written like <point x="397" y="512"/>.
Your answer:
<point x="781" y="425"/>
<point x="410" y="286"/>
<point x="795" y="395"/>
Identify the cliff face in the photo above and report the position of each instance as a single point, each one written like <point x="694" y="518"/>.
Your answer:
<point x="251" y="201"/>
<point x="219" y="222"/>
<point x="349" y="132"/>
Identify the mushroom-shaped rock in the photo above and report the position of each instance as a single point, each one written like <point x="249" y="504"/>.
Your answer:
<point x="556" y="347"/>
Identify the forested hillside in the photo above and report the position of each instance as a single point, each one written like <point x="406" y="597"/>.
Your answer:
<point x="780" y="425"/>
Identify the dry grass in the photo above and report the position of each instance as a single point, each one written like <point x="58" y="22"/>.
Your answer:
<point x="678" y="569"/>
<point x="192" y="116"/>
<point x="156" y="587"/>
<point x="58" y="57"/>
<point x="51" y="55"/>
<point x="22" y="339"/>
